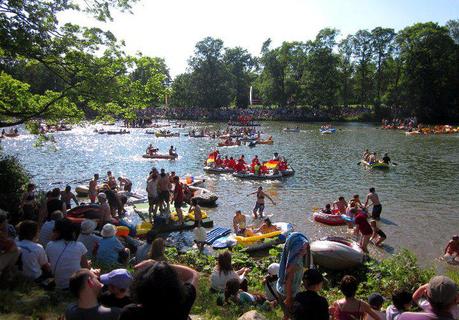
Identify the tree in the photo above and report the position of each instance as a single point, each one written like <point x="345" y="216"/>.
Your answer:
<point x="346" y="69"/>
<point x="182" y="91"/>
<point x="453" y="28"/>
<point x="362" y="52"/>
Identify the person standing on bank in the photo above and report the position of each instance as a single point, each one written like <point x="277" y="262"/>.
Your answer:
<point x="377" y="207"/>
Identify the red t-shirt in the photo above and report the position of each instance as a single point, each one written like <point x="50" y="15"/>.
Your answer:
<point x="178" y="193"/>
<point x="232" y="164"/>
<point x="362" y="222"/>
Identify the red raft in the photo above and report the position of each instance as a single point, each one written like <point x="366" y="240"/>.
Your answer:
<point x="333" y="219"/>
<point x="82" y="212"/>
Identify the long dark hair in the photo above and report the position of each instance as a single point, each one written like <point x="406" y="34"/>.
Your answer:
<point x="65" y="230"/>
<point x="224" y="262"/>
<point x="159" y="288"/>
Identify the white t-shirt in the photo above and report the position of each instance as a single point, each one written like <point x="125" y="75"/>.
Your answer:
<point x="33" y="258"/>
<point x="89" y="241"/>
<point x="219" y="279"/>
<point x="65" y="259"/>
<point x="46" y="233"/>
<point x="152" y="187"/>
<point x="381" y="314"/>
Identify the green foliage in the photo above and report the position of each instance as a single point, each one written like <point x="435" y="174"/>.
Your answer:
<point x="13" y="179"/>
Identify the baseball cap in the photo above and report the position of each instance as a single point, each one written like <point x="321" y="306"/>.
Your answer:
<point x="119" y="278"/>
<point x="442" y="290"/>
<point x="375" y="299"/>
<point x="273" y="269"/>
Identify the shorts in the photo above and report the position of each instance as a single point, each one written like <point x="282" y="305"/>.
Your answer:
<point x="92" y="197"/>
<point x="178" y="204"/>
<point x="260" y="207"/>
<point x="376" y="212"/>
<point x="152" y="200"/>
<point x="381" y="234"/>
<point x="164" y="196"/>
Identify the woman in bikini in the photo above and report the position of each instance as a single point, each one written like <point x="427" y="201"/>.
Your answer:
<point x="260" y="204"/>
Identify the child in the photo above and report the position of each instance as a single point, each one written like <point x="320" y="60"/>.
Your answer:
<point x="378" y="235"/>
<point x="375" y="300"/>
<point x="452" y="249"/>
<point x="401" y="302"/>
<point x="270" y="281"/>
<point x="234" y="293"/>
<point x="327" y="209"/>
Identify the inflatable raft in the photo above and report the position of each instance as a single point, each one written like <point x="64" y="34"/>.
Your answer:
<point x="218" y="170"/>
<point x="268" y="141"/>
<point x="334" y="219"/>
<point x="336" y="253"/>
<point x="82" y="212"/>
<point x="376" y="165"/>
<point x="252" y="176"/>
<point x="160" y="156"/>
<point x="327" y="131"/>
<point x="287" y="173"/>
<point x="11" y="135"/>
<point x="203" y="196"/>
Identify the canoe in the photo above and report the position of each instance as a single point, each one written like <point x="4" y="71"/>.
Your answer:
<point x="376" y="165"/>
<point x="203" y="196"/>
<point x="327" y="131"/>
<point x="159" y="156"/>
<point x="268" y="141"/>
<point x="336" y="253"/>
<point x="217" y="170"/>
<point x="222" y="144"/>
<point x="291" y="130"/>
<point x="117" y="132"/>
<point x="11" y="135"/>
<point x="167" y="135"/>
<point x="252" y="176"/>
<point x="329" y="219"/>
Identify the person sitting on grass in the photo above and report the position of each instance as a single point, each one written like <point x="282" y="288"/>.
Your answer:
<point x="86" y="287"/>
<point x="161" y="291"/>
<point x="308" y="304"/>
<point x="349" y="307"/>
<point x="111" y="251"/>
<point x="88" y="238"/>
<point x="224" y="272"/>
<point x="158" y="248"/>
<point x="375" y="300"/>
<point x="401" y="302"/>
<point x="117" y="282"/>
<point x="234" y="293"/>
<point x="143" y="251"/>
<point x="35" y="264"/>
<point x="46" y="231"/>
<point x="269" y="283"/>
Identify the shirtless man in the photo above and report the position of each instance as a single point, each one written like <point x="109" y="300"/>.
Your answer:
<point x="355" y="202"/>
<point x="239" y="223"/>
<point x="260" y="203"/>
<point x="164" y="187"/>
<point x="372" y="158"/>
<point x="366" y="154"/>
<point x="93" y="188"/>
<point x="377" y="207"/>
<point x="386" y="158"/>
<point x="67" y="196"/>
<point x="340" y="205"/>
<point x="111" y="181"/>
<point x="172" y="151"/>
<point x="125" y="183"/>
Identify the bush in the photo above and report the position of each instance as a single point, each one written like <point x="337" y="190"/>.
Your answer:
<point x="13" y="179"/>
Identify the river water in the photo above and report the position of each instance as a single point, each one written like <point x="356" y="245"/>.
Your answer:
<point x="419" y="195"/>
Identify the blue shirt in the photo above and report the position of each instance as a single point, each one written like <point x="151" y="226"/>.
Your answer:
<point x="108" y="250"/>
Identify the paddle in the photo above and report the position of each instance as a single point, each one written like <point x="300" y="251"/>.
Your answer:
<point x="394" y="163"/>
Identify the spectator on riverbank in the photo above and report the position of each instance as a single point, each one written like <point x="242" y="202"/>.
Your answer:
<point x="349" y="307"/>
<point x="438" y="299"/>
<point x="34" y="261"/>
<point x="85" y="285"/>
<point x="46" y="231"/>
<point x="118" y="282"/>
<point x="375" y="300"/>
<point x="158" y="248"/>
<point x="308" y="304"/>
<point x="224" y="271"/>
<point x="401" y="302"/>
<point x="65" y="255"/>
<point x="111" y="251"/>
<point x="270" y="281"/>
<point x="88" y="238"/>
<point x="162" y="291"/>
<point x="9" y="253"/>
<point x="234" y="293"/>
<point x="55" y="203"/>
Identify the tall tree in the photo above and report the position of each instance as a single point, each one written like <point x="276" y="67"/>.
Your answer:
<point x="362" y="51"/>
<point x="453" y="27"/>
<point x="346" y="69"/>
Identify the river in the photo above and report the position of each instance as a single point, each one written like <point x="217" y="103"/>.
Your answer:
<point x="419" y="194"/>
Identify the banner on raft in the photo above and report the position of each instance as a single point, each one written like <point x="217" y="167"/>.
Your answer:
<point x="271" y="164"/>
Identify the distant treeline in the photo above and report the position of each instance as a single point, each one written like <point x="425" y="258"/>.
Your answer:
<point x="412" y="72"/>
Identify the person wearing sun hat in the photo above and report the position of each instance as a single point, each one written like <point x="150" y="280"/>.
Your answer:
<point x="117" y="282"/>
<point x="269" y="282"/>
<point x="88" y="238"/>
<point x="438" y="299"/>
<point x="110" y="251"/>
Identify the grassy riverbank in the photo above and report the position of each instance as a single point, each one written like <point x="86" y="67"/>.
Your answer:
<point x="24" y="300"/>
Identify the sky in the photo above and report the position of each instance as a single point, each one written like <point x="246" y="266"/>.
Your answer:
<point x="171" y="28"/>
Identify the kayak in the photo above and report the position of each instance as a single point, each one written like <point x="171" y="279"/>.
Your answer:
<point x="376" y="165"/>
<point x="160" y="156"/>
<point x="330" y="219"/>
<point x="252" y="176"/>
<point x="336" y="253"/>
<point x="218" y="170"/>
<point x="167" y="135"/>
<point x="327" y="131"/>
<point x="203" y="196"/>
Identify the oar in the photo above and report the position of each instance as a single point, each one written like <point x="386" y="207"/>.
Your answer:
<point x="394" y="163"/>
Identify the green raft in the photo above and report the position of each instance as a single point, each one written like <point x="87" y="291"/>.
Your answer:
<point x="376" y="165"/>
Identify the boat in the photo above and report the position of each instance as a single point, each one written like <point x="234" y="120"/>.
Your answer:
<point x="252" y="176"/>
<point x="267" y="141"/>
<point x="192" y="181"/>
<point x="412" y="133"/>
<point x="336" y="253"/>
<point x="84" y="211"/>
<point x="248" y="138"/>
<point x="11" y="134"/>
<point x="291" y="129"/>
<point x="333" y="219"/>
<point x="160" y="156"/>
<point x="231" y="144"/>
<point x="327" y="130"/>
<point x="203" y="196"/>
<point x="160" y="134"/>
<point x="218" y="170"/>
<point x="376" y="165"/>
<point x="252" y="144"/>
<point x="287" y="173"/>
<point x="118" y="132"/>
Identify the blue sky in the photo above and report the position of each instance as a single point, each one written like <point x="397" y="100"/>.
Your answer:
<point x="171" y="28"/>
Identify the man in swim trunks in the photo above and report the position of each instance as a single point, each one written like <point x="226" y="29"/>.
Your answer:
<point x="260" y="204"/>
<point x="172" y="151"/>
<point x="372" y="158"/>
<point x="164" y="187"/>
<point x="239" y="223"/>
<point x="377" y="207"/>
<point x="125" y="183"/>
<point x="386" y="158"/>
<point x="111" y="181"/>
<point x="93" y="188"/>
<point x="341" y="205"/>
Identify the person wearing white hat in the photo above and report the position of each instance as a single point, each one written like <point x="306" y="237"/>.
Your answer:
<point x="110" y="248"/>
<point x="269" y="282"/>
<point x="87" y="236"/>
<point x="106" y="214"/>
